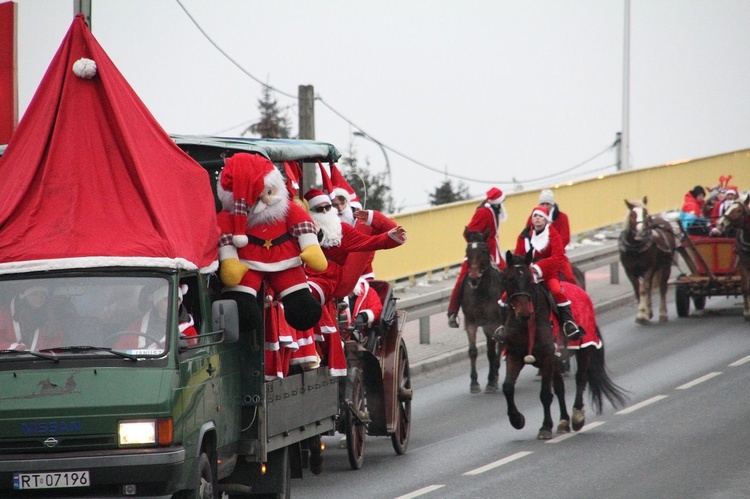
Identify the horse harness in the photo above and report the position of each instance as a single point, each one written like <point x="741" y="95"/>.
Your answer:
<point x="657" y="229"/>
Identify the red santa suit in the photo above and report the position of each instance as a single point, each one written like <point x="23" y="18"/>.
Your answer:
<point x="365" y="301"/>
<point x="24" y="329"/>
<point x="548" y="256"/>
<point x="486" y="218"/>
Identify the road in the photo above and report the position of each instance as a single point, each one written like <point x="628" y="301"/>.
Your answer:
<point x="682" y="435"/>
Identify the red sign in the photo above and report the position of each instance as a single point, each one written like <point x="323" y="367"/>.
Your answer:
<point x="8" y="87"/>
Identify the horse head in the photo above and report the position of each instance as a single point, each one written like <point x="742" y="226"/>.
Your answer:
<point x="735" y="215"/>
<point x="477" y="255"/>
<point x="638" y="221"/>
<point x="519" y="284"/>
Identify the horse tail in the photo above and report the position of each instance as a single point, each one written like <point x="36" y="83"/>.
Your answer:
<point x="601" y="385"/>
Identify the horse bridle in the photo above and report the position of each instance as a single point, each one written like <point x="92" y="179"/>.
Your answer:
<point x="476" y="244"/>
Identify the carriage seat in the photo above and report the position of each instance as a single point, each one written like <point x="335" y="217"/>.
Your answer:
<point x="385" y="293"/>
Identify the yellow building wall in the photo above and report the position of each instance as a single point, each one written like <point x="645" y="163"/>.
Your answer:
<point x="435" y="235"/>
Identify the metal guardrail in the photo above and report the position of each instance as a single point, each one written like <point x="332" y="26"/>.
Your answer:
<point x="436" y="302"/>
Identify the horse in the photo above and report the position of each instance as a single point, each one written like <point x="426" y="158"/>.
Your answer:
<point x="480" y="292"/>
<point x="737" y="216"/>
<point x="647" y="245"/>
<point x="531" y="336"/>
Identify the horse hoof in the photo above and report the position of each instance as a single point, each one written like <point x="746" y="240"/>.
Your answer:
<point x="563" y="427"/>
<point x="747" y="318"/>
<point x="475" y="388"/>
<point x="642" y="321"/>
<point x="579" y="419"/>
<point x="663" y="318"/>
<point x="544" y="435"/>
<point x="517" y="421"/>
<point x="491" y="388"/>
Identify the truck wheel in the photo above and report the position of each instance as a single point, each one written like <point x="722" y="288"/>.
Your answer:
<point x="682" y="300"/>
<point x="202" y="481"/>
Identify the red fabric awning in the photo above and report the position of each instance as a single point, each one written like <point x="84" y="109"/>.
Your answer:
<point x="90" y="175"/>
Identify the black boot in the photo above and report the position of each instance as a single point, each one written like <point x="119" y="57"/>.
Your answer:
<point x="569" y="327"/>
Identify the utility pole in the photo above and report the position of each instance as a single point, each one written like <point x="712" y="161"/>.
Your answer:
<point x="83" y="7"/>
<point x="625" y="137"/>
<point x="306" y="102"/>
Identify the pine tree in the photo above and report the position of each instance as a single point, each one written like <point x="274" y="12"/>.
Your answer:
<point x="446" y="193"/>
<point x="273" y="123"/>
<point x="372" y="189"/>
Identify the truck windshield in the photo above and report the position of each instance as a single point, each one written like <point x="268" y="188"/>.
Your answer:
<point x="91" y="315"/>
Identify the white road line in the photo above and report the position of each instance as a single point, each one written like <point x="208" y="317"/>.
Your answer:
<point x="641" y="405"/>
<point x="740" y="362"/>
<point x="488" y="467"/>
<point x="421" y="492"/>
<point x="573" y="434"/>
<point x="697" y="381"/>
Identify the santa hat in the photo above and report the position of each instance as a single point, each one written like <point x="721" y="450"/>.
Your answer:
<point x="316" y="197"/>
<point x="495" y="196"/>
<point x="732" y="189"/>
<point x="244" y="176"/>
<point x="541" y="210"/>
<point x="293" y="176"/>
<point x="342" y="188"/>
<point x="546" y="197"/>
<point x="325" y="179"/>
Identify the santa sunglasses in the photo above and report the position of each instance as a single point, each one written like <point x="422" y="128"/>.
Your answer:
<point x="322" y="209"/>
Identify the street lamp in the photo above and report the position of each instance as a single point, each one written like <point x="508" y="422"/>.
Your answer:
<point x="385" y="155"/>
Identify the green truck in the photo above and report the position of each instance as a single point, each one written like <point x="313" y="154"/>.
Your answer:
<point x="117" y="410"/>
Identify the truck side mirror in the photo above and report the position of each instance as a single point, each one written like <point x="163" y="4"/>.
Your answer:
<point x="226" y="318"/>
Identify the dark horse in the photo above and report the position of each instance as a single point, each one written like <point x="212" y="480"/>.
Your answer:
<point x="530" y="338"/>
<point x="480" y="292"/>
<point x="647" y="245"/>
<point x="737" y="216"/>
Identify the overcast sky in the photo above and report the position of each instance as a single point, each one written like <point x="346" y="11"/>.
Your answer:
<point x="490" y="90"/>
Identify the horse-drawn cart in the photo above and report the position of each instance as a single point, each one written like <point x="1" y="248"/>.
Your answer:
<point x="712" y="271"/>
<point x="376" y="398"/>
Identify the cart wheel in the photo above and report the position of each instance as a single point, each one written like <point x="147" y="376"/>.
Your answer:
<point x="400" y="438"/>
<point x="315" y="446"/>
<point x="355" y="429"/>
<point x="699" y="302"/>
<point x="682" y="300"/>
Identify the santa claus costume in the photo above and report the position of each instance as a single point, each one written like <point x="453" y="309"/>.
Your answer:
<point x="265" y="238"/>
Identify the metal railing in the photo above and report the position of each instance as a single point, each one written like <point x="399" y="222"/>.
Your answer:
<point x="423" y="306"/>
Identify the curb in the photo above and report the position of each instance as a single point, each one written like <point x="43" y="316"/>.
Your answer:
<point x="448" y="358"/>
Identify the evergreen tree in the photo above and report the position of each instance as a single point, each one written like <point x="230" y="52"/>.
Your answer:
<point x="372" y="189"/>
<point x="273" y="123"/>
<point x="447" y="193"/>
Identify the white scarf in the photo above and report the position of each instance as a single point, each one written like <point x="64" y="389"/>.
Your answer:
<point x="541" y="240"/>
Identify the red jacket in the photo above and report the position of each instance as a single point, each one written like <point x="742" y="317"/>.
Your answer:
<point x="485" y="220"/>
<point x="549" y="255"/>
<point x="560" y="222"/>
<point x="692" y="205"/>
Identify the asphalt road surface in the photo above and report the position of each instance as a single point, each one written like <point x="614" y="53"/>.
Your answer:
<point x="683" y="434"/>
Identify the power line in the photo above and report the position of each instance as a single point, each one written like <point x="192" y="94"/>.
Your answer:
<point x="385" y="146"/>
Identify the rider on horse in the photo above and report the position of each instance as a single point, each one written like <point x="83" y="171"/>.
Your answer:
<point x="548" y="259"/>
<point x="487" y="218"/>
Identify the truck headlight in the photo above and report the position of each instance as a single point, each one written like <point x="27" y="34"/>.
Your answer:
<point x="145" y="432"/>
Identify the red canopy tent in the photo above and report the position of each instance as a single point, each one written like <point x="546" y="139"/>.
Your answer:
<point x="90" y="178"/>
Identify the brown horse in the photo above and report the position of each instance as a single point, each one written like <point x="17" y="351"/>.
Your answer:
<point x="647" y="245"/>
<point x="737" y="217"/>
<point x="531" y="337"/>
<point x="480" y="293"/>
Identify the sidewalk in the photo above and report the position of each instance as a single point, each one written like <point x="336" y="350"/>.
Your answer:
<point x="448" y="345"/>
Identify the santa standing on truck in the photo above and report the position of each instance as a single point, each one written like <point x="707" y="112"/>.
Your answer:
<point x="265" y="237"/>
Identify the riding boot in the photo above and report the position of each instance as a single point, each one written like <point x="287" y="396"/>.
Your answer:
<point x="453" y="319"/>
<point x="569" y="327"/>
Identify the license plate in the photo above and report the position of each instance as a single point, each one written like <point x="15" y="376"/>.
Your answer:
<point x="57" y="480"/>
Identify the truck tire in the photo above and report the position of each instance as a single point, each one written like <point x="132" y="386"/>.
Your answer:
<point x="202" y="481"/>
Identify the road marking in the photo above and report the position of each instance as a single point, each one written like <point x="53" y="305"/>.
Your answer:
<point x="573" y="434"/>
<point x="740" y="362"/>
<point x="641" y="405"/>
<point x="488" y="467"/>
<point x="421" y="492"/>
<point x="697" y="381"/>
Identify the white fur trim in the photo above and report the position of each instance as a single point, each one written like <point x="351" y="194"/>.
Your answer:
<point x="540" y="212"/>
<point x="337" y="372"/>
<point x="340" y="191"/>
<point x="292" y="289"/>
<point x="319" y="291"/>
<point x="318" y="200"/>
<point x="101" y="261"/>
<point x="306" y="240"/>
<point x="273" y="266"/>
<point x="539" y="270"/>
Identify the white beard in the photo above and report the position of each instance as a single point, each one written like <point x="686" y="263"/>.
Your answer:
<point x="275" y="211"/>
<point x="347" y="216"/>
<point x="330" y="225"/>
